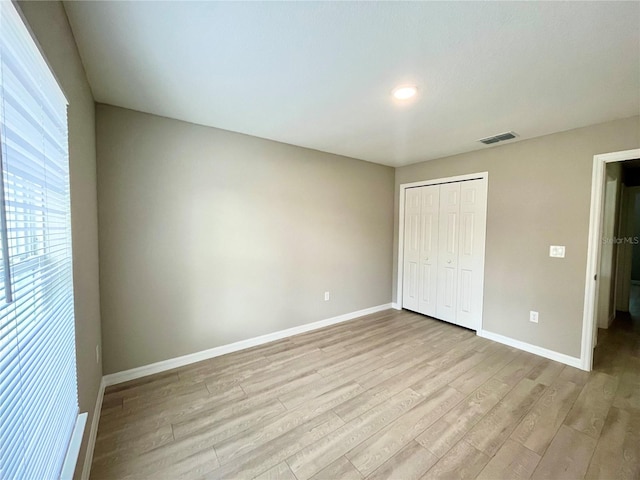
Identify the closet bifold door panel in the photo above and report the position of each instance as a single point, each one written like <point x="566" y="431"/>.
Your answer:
<point x="449" y="224"/>
<point x="412" y="241"/>
<point x="421" y="249"/>
<point x="471" y="253"/>
<point x="430" y="199"/>
<point x="443" y="251"/>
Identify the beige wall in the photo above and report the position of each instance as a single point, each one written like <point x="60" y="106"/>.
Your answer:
<point x="539" y="195"/>
<point x="208" y="237"/>
<point x="48" y="22"/>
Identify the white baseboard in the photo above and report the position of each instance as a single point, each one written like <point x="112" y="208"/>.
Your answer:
<point x="171" y="363"/>
<point x="88" y="458"/>
<point x="396" y="306"/>
<point x="527" y="347"/>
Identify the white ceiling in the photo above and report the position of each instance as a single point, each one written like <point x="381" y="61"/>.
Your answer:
<point x="319" y="74"/>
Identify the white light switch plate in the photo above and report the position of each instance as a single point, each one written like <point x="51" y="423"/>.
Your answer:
<point x="556" y="251"/>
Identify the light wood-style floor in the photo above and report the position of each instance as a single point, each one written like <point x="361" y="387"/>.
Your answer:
<point x="391" y="395"/>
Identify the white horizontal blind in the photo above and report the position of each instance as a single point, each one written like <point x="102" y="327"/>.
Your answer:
<point x="38" y="391"/>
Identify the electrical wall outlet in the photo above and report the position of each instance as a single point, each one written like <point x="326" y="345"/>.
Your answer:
<point x="556" y="251"/>
<point x="327" y="295"/>
<point x="533" y="316"/>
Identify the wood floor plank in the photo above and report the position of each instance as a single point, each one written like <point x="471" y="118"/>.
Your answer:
<point x="264" y="368"/>
<point x="518" y="368"/>
<point x="356" y="340"/>
<point x="341" y="468"/>
<point x="592" y="406"/>
<point x="628" y="393"/>
<point x="381" y="392"/>
<point x="574" y="375"/>
<point x="225" y="428"/>
<point x="513" y="461"/>
<point x="617" y="454"/>
<point x="113" y="410"/>
<point x="379" y="349"/>
<point x="140" y="384"/>
<point x="252" y="464"/>
<point x="634" y="349"/>
<point x="283" y="384"/>
<point x="398" y="363"/>
<point x="297" y="397"/>
<point x="462" y="462"/>
<point x="254" y="438"/>
<point x="567" y="457"/>
<point x="468" y="381"/>
<point x="610" y="358"/>
<point x="378" y="448"/>
<point x="167" y="412"/>
<point x="160" y="458"/>
<point x="410" y="463"/>
<point x="416" y="356"/>
<point x="176" y="392"/>
<point x="545" y="372"/>
<point x="132" y="442"/>
<point x="279" y="373"/>
<point x="443" y="375"/>
<point x="204" y="460"/>
<point x="280" y="472"/>
<point x="107" y="453"/>
<point x="460" y="344"/>
<point x="145" y="464"/>
<point x="288" y="350"/>
<point x="420" y="374"/>
<point x="341" y="402"/>
<point x="490" y="433"/>
<point x="110" y="403"/>
<point x="452" y="427"/>
<point x="311" y="459"/>
<point x="219" y="366"/>
<point x="541" y="424"/>
<point x="341" y="330"/>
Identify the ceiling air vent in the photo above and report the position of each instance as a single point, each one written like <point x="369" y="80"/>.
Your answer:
<point x="501" y="137"/>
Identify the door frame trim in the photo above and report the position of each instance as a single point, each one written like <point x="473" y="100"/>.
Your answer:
<point x="593" y="249"/>
<point x="423" y="183"/>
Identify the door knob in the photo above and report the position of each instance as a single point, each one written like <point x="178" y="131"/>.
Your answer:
<point x="448" y="261"/>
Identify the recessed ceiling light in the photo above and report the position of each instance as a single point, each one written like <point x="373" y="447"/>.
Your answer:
<point x="404" y="92"/>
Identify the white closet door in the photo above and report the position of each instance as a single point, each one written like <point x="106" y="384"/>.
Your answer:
<point x="430" y="204"/>
<point x="448" y="236"/>
<point x="411" y="270"/>
<point x="471" y="252"/>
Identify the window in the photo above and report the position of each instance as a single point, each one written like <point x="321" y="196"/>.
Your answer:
<point x="38" y="391"/>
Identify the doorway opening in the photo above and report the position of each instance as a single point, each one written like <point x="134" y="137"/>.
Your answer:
<point x="618" y="311"/>
<point x="612" y="292"/>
